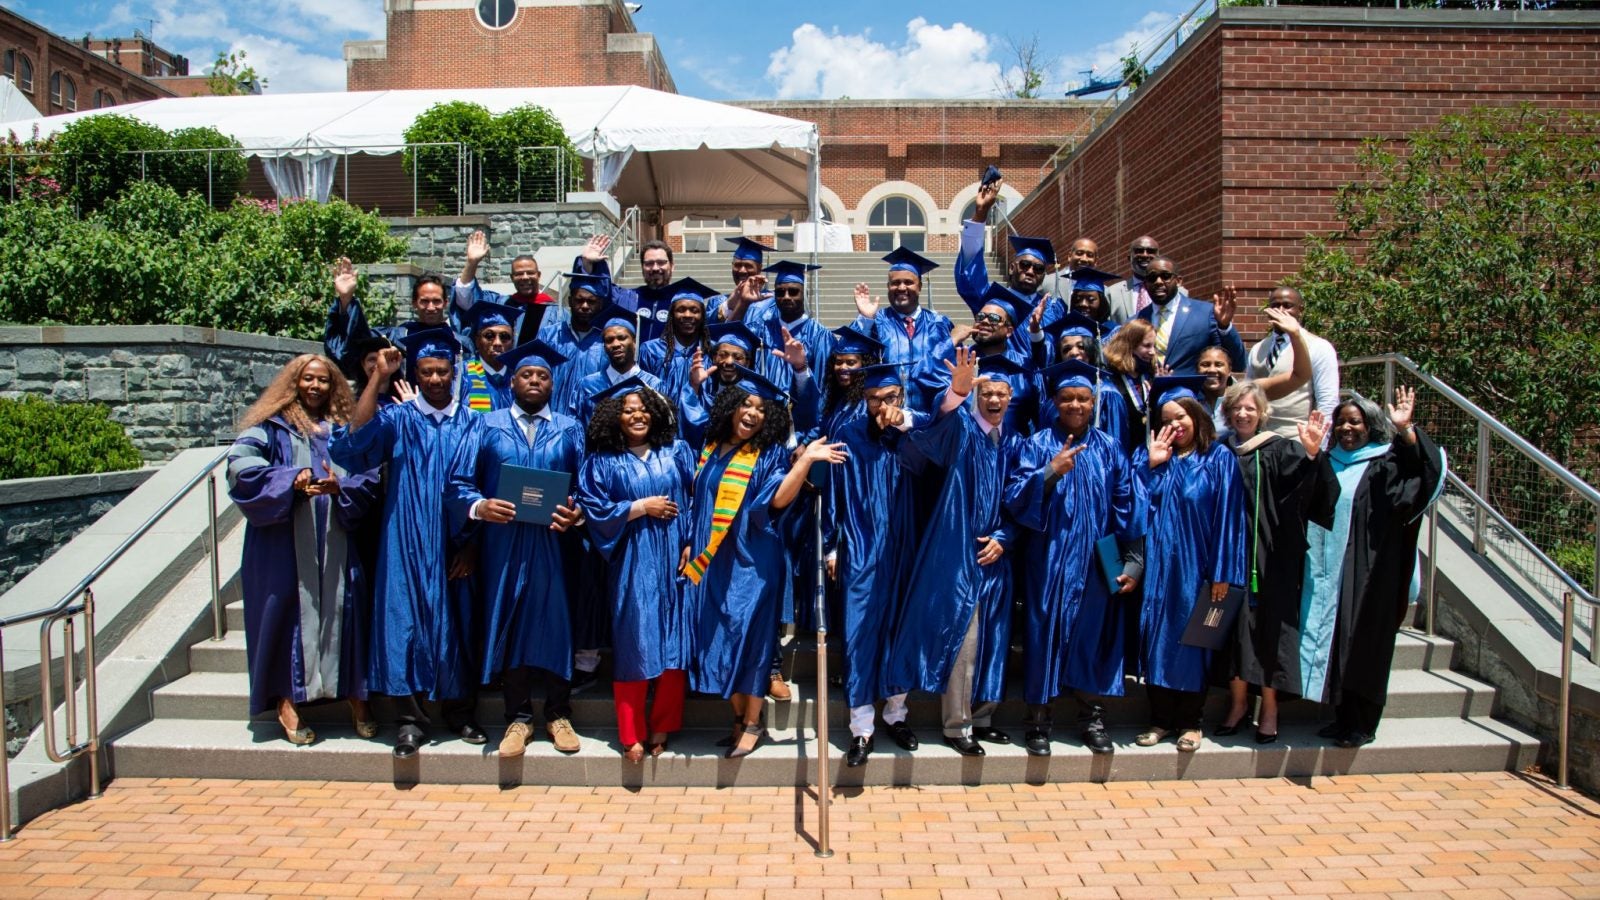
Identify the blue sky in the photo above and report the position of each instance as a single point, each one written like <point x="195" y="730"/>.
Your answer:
<point x="715" y="49"/>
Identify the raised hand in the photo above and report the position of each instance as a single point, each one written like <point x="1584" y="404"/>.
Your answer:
<point x="1161" y="447"/>
<point x="963" y="372"/>
<point x="390" y="359"/>
<point x="1403" y="408"/>
<point x="659" y="507"/>
<point x="477" y="247"/>
<point x="866" y="304"/>
<point x="1161" y="370"/>
<point x="793" y="352"/>
<point x="820" y="450"/>
<point x="1224" y="305"/>
<point x="1311" y="432"/>
<point x="344" y="280"/>
<point x="595" y="250"/>
<point x="960" y="333"/>
<point x="1035" y="321"/>
<point x="403" y="391"/>
<point x="890" y="417"/>
<point x="990" y="551"/>
<point x="1066" y="457"/>
<point x="698" y="370"/>
<point x="987" y="195"/>
<point x="1283" y="322"/>
<point x="566" y="516"/>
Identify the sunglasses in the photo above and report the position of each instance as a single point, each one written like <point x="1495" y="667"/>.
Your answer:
<point x="1162" y="276"/>
<point x="787" y="292"/>
<point x="496" y="338"/>
<point x="990" y="318"/>
<point x="1145" y="251"/>
<point x="1027" y="266"/>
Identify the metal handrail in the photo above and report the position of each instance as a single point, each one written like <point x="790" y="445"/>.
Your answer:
<point x="80" y="601"/>
<point x="624" y="241"/>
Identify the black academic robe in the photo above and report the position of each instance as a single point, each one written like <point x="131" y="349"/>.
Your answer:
<point x="1284" y="489"/>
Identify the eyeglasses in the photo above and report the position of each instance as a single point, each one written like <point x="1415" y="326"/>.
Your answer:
<point x="1027" y="266"/>
<point x="1145" y="251"/>
<point x="495" y="337"/>
<point x="990" y="318"/>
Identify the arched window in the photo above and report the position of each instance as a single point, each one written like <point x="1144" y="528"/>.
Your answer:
<point x="103" y="99"/>
<point x="63" y="91"/>
<point x="10" y="68"/>
<point x="897" y="222"/>
<point x="20" y="68"/>
<point x="496" y="14"/>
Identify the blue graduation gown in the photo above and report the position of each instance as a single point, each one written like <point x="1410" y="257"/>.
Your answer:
<point x="803" y="554"/>
<point x="1195" y="537"/>
<point x="477" y="382"/>
<point x="889" y="328"/>
<point x="930" y="379"/>
<point x="947" y="585"/>
<point x="1074" y="637"/>
<point x="585" y="353"/>
<point x="669" y="361"/>
<point x="307" y="600"/>
<point x="972" y="282"/>
<point x="520" y="575"/>
<point x="650" y="623"/>
<point x="868" y="520"/>
<point x="735" y="606"/>
<point x="418" y="634"/>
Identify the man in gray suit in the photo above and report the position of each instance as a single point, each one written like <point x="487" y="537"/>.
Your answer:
<point x="1127" y="298"/>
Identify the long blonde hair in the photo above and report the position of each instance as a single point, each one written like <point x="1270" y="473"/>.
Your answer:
<point x="282" y="397"/>
<point x="1119" y="350"/>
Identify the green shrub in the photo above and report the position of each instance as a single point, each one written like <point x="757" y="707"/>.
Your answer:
<point x="154" y="256"/>
<point x="97" y="157"/>
<point x="192" y="171"/>
<point x="39" y="439"/>
<point x="499" y="169"/>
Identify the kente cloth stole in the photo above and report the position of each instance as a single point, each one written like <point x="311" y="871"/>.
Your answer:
<point x="730" y="495"/>
<point x="479" y="397"/>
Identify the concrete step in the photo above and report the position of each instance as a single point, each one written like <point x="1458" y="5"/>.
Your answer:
<point x="1412" y="694"/>
<point x="233" y="749"/>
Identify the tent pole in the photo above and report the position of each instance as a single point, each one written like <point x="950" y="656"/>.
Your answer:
<point x="814" y="214"/>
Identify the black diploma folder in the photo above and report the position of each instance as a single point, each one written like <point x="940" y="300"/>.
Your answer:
<point x="535" y="492"/>
<point x="1110" y="554"/>
<point x="1211" y="624"/>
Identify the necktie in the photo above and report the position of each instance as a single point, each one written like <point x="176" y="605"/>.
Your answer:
<point x="1277" y="349"/>
<point x="1144" y="299"/>
<point x="994" y="435"/>
<point x="911" y="327"/>
<point x="1162" y="314"/>
<point x="531" y="425"/>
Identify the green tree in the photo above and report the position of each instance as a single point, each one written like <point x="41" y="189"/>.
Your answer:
<point x="230" y="75"/>
<point x="499" y="165"/>
<point x="1133" y="72"/>
<point x="216" y="175"/>
<point x="1024" y="68"/>
<point x="98" y="156"/>
<point x="1474" y="249"/>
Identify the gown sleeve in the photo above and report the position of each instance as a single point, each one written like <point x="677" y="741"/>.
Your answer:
<point x="1230" y="542"/>
<point x="972" y="273"/>
<point x="367" y="447"/>
<point x="344" y="328"/>
<point x="461" y="482"/>
<point x="1029" y="487"/>
<point x="694" y="416"/>
<point x="598" y="493"/>
<point x="359" y="492"/>
<point x="941" y="440"/>
<point x="261" y="488"/>
<point x="771" y="467"/>
<point x="1419" y="470"/>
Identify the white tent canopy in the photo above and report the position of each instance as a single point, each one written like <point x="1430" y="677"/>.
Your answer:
<point x="652" y="149"/>
<point x="14" y="104"/>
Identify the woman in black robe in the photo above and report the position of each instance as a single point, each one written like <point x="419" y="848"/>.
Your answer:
<point x="1358" y="577"/>
<point x="1287" y="483"/>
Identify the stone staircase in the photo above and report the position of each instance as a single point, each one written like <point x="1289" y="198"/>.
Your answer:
<point x="1437" y="720"/>
<point x="837" y="280"/>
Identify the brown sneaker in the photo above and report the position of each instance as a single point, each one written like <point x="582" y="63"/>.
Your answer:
<point x="777" y="688"/>
<point x="515" y="743"/>
<point x="565" y="738"/>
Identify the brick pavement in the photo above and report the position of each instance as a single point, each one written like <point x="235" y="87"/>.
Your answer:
<point x="1479" y="835"/>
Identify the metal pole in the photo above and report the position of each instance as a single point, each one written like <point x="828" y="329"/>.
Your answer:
<point x="211" y="199"/>
<point x="824" y="770"/>
<point x="69" y="674"/>
<point x="5" y="759"/>
<point x="91" y="693"/>
<point x="1594" y="588"/>
<point x="416" y="164"/>
<point x="1433" y="564"/>
<point x="1480" y="521"/>
<point x="1388" y="383"/>
<point x="216" y="580"/>
<point x="1563" y="707"/>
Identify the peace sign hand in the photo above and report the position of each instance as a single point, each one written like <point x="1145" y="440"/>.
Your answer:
<point x="1065" y="458"/>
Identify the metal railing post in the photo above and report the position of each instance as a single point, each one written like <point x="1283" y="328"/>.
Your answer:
<point x="824" y="772"/>
<point x="1563" y="702"/>
<point x="211" y="182"/>
<point x="1433" y="566"/>
<point x="1594" y="588"/>
<point x="1388" y="383"/>
<point x="216" y="578"/>
<point x="5" y="759"/>
<point x="1480" y="521"/>
<point x="69" y="675"/>
<point x="91" y="693"/>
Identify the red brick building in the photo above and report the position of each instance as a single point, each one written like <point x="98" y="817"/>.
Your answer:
<point x="61" y="76"/>
<point x="1232" y="152"/>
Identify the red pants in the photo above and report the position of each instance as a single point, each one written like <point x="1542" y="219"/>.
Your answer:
<point x="666" y="714"/>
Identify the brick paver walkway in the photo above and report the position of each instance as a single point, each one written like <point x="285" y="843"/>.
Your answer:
<point x="1478" y="835"/>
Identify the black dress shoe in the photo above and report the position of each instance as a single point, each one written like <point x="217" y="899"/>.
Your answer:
<point x="1263" y="738"/>
<point x="1356" y="739"/>
<point x="903" y="735"/>
<point x="1231" y="730"/>
<point x="470" y="733"/>
<point x="1037" y="743"/>
<point x="857" y="754"/>
<point x="1334" y="730"/>
<point x="965" y="746"/>
<point x="407" y="743"/>
<point x="991" y="735"/>
<point x="1097" y="740"/>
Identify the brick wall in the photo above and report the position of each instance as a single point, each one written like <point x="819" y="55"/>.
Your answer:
<point x="1257" y="121"/>
<point x="89" y="74"/>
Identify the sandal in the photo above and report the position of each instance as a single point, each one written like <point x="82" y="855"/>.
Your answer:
<point x="1151" y="736"/>
<point x="298" y="736"/>
<point x="1189" y="741"/>
<point x="365" y="727"/>
<point x="656" y="747"/>
<point x="634" y="754"/>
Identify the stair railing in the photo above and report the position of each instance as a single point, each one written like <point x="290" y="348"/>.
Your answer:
<point x="1510" y="495"/>
<point x="79" y="603"/>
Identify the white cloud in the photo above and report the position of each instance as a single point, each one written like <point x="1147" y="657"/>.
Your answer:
<point x="1106" y="59"/>
<point x="288" y="68"/>
<point x="934" y="61"/>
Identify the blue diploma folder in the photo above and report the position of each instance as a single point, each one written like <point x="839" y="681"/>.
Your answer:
<point x="1110" y="554"/>
<point x="535" y="492"/>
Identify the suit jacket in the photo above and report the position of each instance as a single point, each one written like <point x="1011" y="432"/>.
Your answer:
<point x="1123" y="297"/>
<point x="1195" y="329"/>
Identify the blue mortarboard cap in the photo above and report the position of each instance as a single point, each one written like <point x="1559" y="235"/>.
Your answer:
<point x="736" y="333"/>
<point x="598" y="285"/>
<point x="431" y="343"/>
<point x="1174" y="387"/>
<point x="1076" y="323"/>
<point x="999" y="364"/>
<point x="744" y="248"/>
<point x="689" y="289"/>
<point x="1086" y="278"/>
<point x="1037" y="247"/>
<point x="619" y="316"/>
<point x="1016" y="305"/>
<point x="1071" y="373"/>
<point x="882" y="375"/>
<point x="752" y="382"/>
<point x="849" y="340"/>
<point x="485" y="314"/>
<point x="910" y="261"/>
<point x="790" y="272"/>
<point x="533" y="353"/>
<point x="633" y="384"/>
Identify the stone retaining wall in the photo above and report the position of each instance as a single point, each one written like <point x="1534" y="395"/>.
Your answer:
<point x="39" y="515"/>
<point x="171" y="386"/>
<point x="439" y="243"/>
